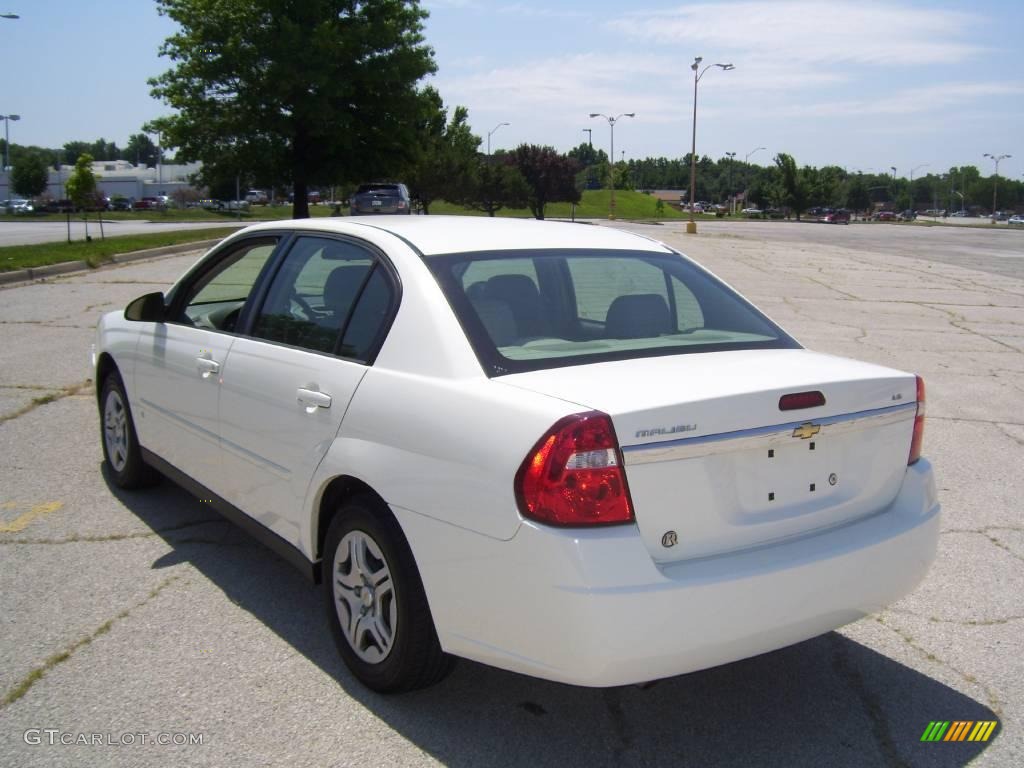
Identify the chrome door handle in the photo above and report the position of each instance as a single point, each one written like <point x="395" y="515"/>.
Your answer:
<point x="207" y="367"/>
<point x="313" y="399"/>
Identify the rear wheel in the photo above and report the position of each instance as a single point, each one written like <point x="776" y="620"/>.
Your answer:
<point x="121" y="450"/>
<point x="376" y="603"/>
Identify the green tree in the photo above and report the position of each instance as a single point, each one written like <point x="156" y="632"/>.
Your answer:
<point x="140" y="150"/>
<point x="586" y="155"/>
<point x="81" y="184"/>
<point x="81" y="188"/>
<point x="495" y="184"/>
<point x="74" y="150"/>
<point x="550" y="176"/>
<point x="795" y="189"/>
<point x="446" y="154"/>
<point x="857" y="196"/>
<point x="30" y="175"/>
<point x="312" y="92"/>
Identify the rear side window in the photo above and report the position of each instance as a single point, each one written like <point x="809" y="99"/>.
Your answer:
<point x="526" y="310"/>
<point x="329" y="296"/>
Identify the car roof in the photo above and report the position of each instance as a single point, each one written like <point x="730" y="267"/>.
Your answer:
<point x="432" y="235"/>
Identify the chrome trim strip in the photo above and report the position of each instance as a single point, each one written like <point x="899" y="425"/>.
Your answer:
<point x="763" y="437"/>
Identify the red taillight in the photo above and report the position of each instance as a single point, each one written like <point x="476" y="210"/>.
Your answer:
<point x="798" y="400"/>
<point x="915" y="443"/>
<point x="574" y="476"/>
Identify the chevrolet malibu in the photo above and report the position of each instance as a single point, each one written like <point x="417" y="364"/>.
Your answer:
<point x="561" y="450"/>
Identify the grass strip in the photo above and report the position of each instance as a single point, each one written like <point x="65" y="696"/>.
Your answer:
<point x="98" y="251"/>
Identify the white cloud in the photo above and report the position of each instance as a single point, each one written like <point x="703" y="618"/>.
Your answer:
<point x="533" y="11"/>
<point x="911" y="101"/>
<point x="573" y="86"/>
<point x="809" y="32"/>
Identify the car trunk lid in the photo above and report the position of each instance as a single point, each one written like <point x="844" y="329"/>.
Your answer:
<point x="713" y="464"/>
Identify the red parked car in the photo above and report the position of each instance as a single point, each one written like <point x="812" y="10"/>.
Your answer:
<point x="885" y="216"/>
<point x="838" y="216"/>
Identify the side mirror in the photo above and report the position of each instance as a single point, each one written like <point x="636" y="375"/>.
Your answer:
<point x="147" y="309"/>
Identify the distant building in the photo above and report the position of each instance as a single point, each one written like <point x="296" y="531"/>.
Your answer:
<point x="119" y="178"/>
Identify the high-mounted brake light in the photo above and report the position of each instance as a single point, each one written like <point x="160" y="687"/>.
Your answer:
<point x="574" y="476"/>
<point x="915" y="443"/>
<point x="798" y="400"/>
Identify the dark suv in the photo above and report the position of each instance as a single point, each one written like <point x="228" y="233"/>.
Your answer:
<point x="376" y="198"/>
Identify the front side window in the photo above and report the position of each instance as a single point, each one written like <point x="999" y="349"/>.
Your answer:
<point x="526" y="310"/>
<point x="215" y="300"/>
<point x="329" y="296"/>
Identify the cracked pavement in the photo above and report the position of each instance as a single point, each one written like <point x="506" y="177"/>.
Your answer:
<point x="145" y="612"/>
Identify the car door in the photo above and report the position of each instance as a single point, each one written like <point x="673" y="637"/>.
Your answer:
<point x="180" y="362"/>
<point x="289" y="380"/>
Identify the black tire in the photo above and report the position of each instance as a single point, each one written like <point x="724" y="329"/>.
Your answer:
<point x="121" y="453"/>
<point x="413" y="658"/>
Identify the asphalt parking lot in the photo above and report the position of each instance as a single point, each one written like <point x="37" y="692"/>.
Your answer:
<point x="131" y="615"/>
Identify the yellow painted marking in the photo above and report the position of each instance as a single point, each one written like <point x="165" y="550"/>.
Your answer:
<point x="21" y="522"/>
<point x="9" y="505"/>
<point x="988" y="731"/>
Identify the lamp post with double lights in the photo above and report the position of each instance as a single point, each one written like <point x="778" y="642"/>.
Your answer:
<point x="495" y="128"/>
<point x="728" y="181"/>
<point x="995" y="180"/>
<point x="611" y="157"/>
<point x="698" y="73"/>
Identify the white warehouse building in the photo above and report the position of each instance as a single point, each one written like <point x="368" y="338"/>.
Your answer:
<point x="118" y="178"/>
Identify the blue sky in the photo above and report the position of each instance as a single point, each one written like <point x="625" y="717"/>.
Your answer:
<point x="859" y="83"/>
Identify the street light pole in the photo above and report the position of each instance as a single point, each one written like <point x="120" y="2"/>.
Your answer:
<point x="611" y="157"/>
<point x="590" y="136"/>
<point x="995" y="181"/>
<point x="728" y="179"/>
<point x="893" y="169"/>
<point x="495" y="128"/>
<point x="7" y="139"/>
<point x="691" y="225"/>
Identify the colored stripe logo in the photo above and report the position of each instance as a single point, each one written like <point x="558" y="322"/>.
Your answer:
<point x="959" y="730"/>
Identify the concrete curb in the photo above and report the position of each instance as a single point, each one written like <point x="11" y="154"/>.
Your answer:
<point x="67" y="267"/>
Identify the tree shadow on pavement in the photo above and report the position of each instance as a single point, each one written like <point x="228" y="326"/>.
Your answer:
<point x="828" y="701"/>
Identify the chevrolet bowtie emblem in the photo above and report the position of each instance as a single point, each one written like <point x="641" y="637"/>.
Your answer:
<point x="806" y="430"/>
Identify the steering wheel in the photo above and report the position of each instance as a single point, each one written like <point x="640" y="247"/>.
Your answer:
<point x="304" y="305"/>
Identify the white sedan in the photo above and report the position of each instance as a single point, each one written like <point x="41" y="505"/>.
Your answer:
<point x="561" y="450"/>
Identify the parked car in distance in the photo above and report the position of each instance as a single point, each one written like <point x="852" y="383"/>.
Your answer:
<point x="18" y="205"/>
<point x="752" y="212"/>
<point x="380" y="198"/>
<point x="885" y="216"/>
<point x="1015" y="221"/>
<point x="837" y="216"/>
<point x="120" y="204"/>
<point x="150" y="203"/>
<point x="256" y="197"/>
<point x="907" y="215"/>
<point x="564" y="451"/>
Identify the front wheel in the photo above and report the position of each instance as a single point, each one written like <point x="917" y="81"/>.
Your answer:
<point x="121" y="450"/>
<point x="376" y="604"/>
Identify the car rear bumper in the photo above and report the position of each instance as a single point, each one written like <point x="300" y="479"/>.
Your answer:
<point x="592" y="608"/>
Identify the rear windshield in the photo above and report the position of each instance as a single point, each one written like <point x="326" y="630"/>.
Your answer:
<point x="376" y="188"/>
<point x="528" y="310"/>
